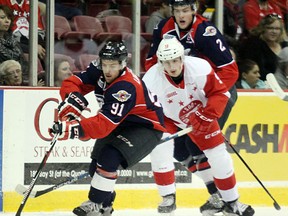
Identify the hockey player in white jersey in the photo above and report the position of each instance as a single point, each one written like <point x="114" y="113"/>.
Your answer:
<point x="192" y="94"/>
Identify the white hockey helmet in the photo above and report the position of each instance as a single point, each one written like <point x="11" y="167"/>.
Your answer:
<point x="170" y="48"/>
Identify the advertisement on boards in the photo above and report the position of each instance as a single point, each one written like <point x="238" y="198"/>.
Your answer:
<point x="257" y="128"/>
<point x="26" y="139"/>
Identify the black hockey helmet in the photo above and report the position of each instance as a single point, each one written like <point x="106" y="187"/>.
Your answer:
<point x="114" y="50"/>
<point x="192" y="3"/>
<point x="182" y="2"/>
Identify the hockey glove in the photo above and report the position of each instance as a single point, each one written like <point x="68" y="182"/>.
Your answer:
<point x="72" y="106"/>
<point x="200" y="123"/>
<point x="67" y="130"/>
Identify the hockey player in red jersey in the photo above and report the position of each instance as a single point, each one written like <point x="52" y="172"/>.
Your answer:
<point x="20" y="26"/>
<point x="202" y="39"/>
<point x="191" y="93"/>
<point x="127" y="127"/>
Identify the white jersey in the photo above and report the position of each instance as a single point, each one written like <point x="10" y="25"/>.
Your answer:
<point x="200" y="82"/>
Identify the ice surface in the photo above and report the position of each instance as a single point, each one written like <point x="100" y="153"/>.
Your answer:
<point x="265" y="211"/>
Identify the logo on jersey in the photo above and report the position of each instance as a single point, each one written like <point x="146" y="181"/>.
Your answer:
<point x="124" y="139"/>
<point x="186" y="111"/>
<point x="22" y="26"/>
<point x="171" y="94"/>
<point x="189" y="39"/>
<point x="121" y="96"/>
<point x="210" y="31"/>
<point x="215" y="133"/>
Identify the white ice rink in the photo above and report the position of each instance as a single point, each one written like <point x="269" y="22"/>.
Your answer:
<point x="265" y="211"/>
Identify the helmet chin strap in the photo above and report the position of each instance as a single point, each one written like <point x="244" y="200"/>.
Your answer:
<point x="124" y="64"/>
<point x="194" y="7"/>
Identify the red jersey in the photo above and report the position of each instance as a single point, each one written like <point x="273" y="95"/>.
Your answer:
<point x="253" y="13"/>
<point x="124" y="102"/>
<point x="22" y="15"/>
<point x="282" y="4"/>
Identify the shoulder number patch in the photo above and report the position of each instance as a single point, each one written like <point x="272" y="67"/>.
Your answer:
<point x="210" y="31"/>
<point x="121" y="95"/>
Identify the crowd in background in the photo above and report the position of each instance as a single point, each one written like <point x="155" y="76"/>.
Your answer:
<point x="254" y="29"/>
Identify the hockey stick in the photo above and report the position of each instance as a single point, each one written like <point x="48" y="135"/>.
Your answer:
<point x="32" y="184"/>
<point x="177" y="134"/>
<point x="275" y="204"/>
<point x="21" y="189"/>
<point x="275" y="87"/>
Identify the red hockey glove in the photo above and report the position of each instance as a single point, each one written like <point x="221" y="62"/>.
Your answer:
<point x="67" y="130"/>
<point x="200" y="123"/>
<point x="72" y="106"/>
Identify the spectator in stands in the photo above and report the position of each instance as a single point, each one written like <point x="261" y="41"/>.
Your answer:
<point x="62" y="70"/>
<point x="20" y="27"/>
<point x="249" y="75"/>
<point x="233" y="22"/>
<point x="281" y="73"/>
<point x="11" y="73"/>
<point x="74" y="47"/>
<point x="9" y="47"/>
<point x="162" y="13"/>
<point x="241" y="3"/>
<point x="283" y="5"/>
<point x="255" y="10"/>
<point x="265" y="43"/>
<point x="113" y="5"/>
<point x="109" y="12"/>
<point x="145" y="7"/>
<point x="63" y="10"/>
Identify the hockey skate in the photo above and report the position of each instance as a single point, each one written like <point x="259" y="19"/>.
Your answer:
<point x="236" y="208"/>
<point x="213" y="205"/>
<point x="107" y="211"/>
<point x="89" y="208"/>
<point x="168" y="205"/>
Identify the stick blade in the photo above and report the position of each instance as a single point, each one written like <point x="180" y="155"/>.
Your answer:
<point x="21" y="189"/>
<point x="277" y="206"/>
<point x="272" y="82"/>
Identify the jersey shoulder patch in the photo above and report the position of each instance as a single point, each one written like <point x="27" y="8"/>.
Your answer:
<point x="210" y="31"/>
<point x="121" y="96"/>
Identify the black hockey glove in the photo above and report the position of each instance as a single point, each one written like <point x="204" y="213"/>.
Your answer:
<point x="72" y="106"/>
<point x="68" y="130"/>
